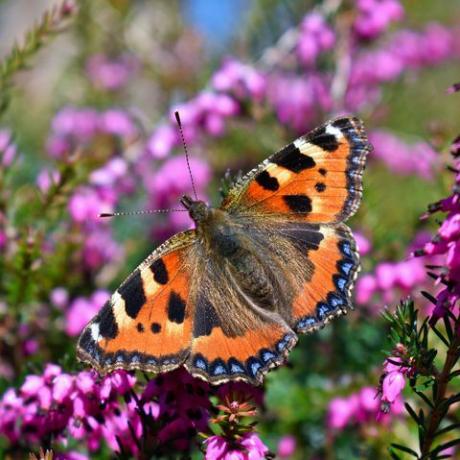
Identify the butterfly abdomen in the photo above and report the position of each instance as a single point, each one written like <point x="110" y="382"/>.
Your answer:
<point x="231" y="244"/>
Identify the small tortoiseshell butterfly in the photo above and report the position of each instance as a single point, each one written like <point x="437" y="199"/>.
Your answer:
<point x="227" y="299"/>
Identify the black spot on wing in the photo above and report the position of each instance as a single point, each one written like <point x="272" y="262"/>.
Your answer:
<point x="324" y="140"/>
<point x="205" y="317"/>
<point x="304" y="239"/>
<point x="322" y="171"/>
<point x="267" y="182"/>
<point x="160" y="273"/>
<point x="291" y="158"/>
<point x="132" y="292"/>
<point x="140" y="327"/>
<point x="107" y="324"/>
<point x="155" y="328"/>
<point x="342" y="123"/>
<point x="176" y="308"/>
<point x="320" y="187"/>
<point x="298" y="203"/>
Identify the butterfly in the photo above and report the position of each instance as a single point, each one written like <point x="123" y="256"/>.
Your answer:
<point x="228" y="299"/>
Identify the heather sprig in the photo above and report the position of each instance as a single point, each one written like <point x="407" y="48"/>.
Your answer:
<point x="53" y="22"/>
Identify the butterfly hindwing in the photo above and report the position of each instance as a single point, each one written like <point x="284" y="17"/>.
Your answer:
<point x="326" y="294"/>
<point x="147" y="323"/>
<point x="233" y="338"/>
<point x="316" y="179"/>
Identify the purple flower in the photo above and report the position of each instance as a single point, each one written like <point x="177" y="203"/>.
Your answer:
<point x="8" y="150"/>
<point x="392" y="386"/>
<point x="240" y="80"/>
<point x="402" y="158"/>
<point x="162" y="141"/>
<point x="286" y="446"/>
<point x="363" y="243"/>
<point x="366" y="286"/>
<point x="86" y="204"/>
<point x="172" y="180"/>
<point x="47" y="178"/>
<point x="315" y="37"/>
<point x="340" y="412"/>
<point x="118" y="123"/>
<point x="375" y="16"/>
<point x="249" y="447"/>
<point x="297" y="100"/>
<point x="111" y="74"/>
<point x="82" y="310"/>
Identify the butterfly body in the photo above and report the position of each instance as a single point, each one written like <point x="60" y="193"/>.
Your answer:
<point x="227" y="299"/>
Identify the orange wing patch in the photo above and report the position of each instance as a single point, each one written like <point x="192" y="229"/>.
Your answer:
<point x="147" y="324"/>
<point x="327" y="293"/>
<point x="315" y="179"/>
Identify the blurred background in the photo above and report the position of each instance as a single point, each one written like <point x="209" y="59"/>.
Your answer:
<point x="86" y="127"/>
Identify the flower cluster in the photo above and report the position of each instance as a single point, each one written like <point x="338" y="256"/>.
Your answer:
<point x="74" y="128"/>
<point x="446" y="246"/>
<point x="390" y="279"/>
<point x="375" y="16"/>
<point x="315" y="37"/>
<point x="360" y="408"/>
<point x="111" y="74"/>
<point x="113" y="410"/>
<point x="408" y="159"/>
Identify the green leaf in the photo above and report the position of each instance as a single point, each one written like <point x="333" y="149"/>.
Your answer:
<point x="424" y="397"/>
<point x="412" y="413"/>
<point x="405" y="449"/>
<point x="447" y="429"/>
<point x="439" y="334"/>
<point x="445" y="446"/>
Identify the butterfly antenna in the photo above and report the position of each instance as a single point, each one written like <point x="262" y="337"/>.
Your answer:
<point x="138" y="213"/>
<point x="179" y="124"/>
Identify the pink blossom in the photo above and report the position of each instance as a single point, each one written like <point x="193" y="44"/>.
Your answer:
<point x="393" y="384"/>
<point x="286" y="446"/>
<point x="82" y="310"/>
<point x="250" y="448"/>
<point x="375" y="16"/>
<point x="315" y="37"/>
<point x="111" y="74"/>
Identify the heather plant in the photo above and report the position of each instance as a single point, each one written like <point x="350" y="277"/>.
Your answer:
<point x="88" y="127"/>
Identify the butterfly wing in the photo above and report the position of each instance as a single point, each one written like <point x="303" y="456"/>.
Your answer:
<point x="330" y="251"/>
<point x="311" y="268"/>
<point x="147" y="323"/>
<point x="233" y="338"/>
<point x="316" y="179"/>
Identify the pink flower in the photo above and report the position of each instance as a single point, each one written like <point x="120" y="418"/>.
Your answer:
<point x="286" y="446"/>
<point x="315" y="37"/>
<point x="375" y="16"/>
<point x="250" y="448"/>
<point x="363" y="243"/>
<point x="163" y="140"/>
<point x="365" y="288"/>
<point x="111" y="74"/>
<point x="82" y="310"/>
<point x="392" y="386"/>
<point x="340" y="412"/>
<point x="240" y="80"/>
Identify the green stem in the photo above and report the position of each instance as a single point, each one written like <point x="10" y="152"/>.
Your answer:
<point x="437" y="413"/>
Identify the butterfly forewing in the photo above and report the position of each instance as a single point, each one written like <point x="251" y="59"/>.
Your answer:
<point x="147" y="323"/>
<point x="316" y="179"/>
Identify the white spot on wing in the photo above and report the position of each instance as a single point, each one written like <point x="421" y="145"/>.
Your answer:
<point x="334" y="131"/>
<point x="95" y="334"/>
<point x="118" y="306"/>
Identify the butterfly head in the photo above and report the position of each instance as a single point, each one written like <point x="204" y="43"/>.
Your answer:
<point x="198" y="210"/>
